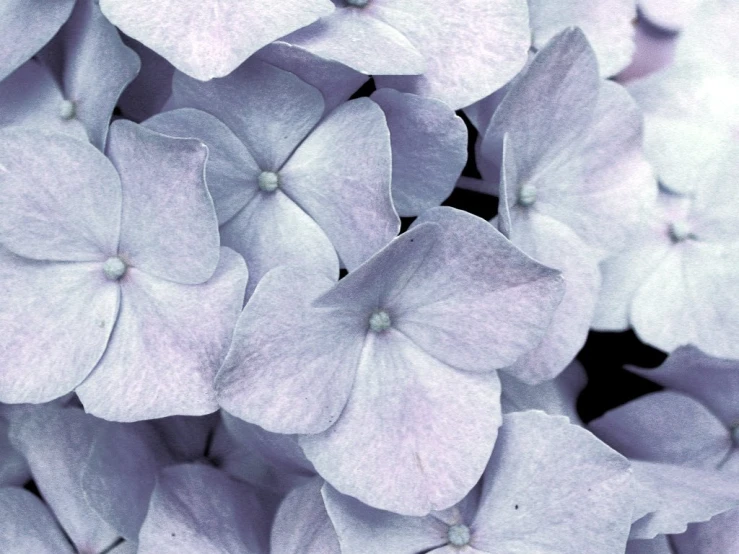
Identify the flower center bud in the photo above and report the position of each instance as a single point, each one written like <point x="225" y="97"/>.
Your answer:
<point x="379" y="321"/>
<point x="269" y="181"/>
<point x="114" y="268"/>
<point x="527" y="195"/>
<point x="357" y="3"/>
<point x="459" y="535"/>
<point x="67" y="109"/>
<point x="679" y="231"/>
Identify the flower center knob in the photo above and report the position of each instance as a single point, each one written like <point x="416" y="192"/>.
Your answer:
<point x="269" y="181"/>
<point x="679" y="231"/>
<point x="114" y="268"/>
<point x="357" y="3"/>
<point x="527" y="195"/>
<point x="379" y="321"/>
<point x="67" y="109"/>
<point x="459" y="535"/>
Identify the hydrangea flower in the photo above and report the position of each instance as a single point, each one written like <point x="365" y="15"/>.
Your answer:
<point x="287" y="182"/>
<point x="608" y="24"/>
<point x="25" y="27"/>
<point x="691" y="108"/>
<point x="113" y="280"/>
<point x="671" y="283"/>
<point x="550" y="486"/>
<point x="457" y="51"/>
<point x="389" y="374"/>
<point x="210" y="39"/>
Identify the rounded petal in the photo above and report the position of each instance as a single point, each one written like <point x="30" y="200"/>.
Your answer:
<point x="61" y="197"/>
<point x="26" y="525"/>
<point x="196" y="509"/>
<point x="231" y="172"/>
<point x="471" y="48"/>
<point x="302" y="525"/>
<point x="56" y="442"/>
<point x="56" y="320"/>
<point x="673" y="429"/>
<point x="361" y="41"/>
<point x="429" y="147"/>
<point x="677" y="496"/>
<point x="270" y="110"/>
<point x="168" y="343"/>
<point x="94" y="66"/>
<point x="607" y="24"/>
<point x="289" y="368"/>
<point x="270" y="231"/>
<point x="207" y="40"/>
<point x="713" y="381"/>
<point x="340" y="175"/>
<point x="415" y="434"/>
<point x="25" y="27"/>
<point x="169" y="227"/>
<point x="336" y="81"/>
<point x="717" y="535"/>
<point x="361" y="528"/>
<point x="553" y="487"/>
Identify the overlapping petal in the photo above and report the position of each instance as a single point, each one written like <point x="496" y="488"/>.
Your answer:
<point x="26" y="525"/>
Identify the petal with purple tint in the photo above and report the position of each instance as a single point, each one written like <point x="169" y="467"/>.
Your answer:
<point x="290" y="368"/>
<point x="673" y="428"/>
<point x="340" y="175"/>
<point x="207" y="40"/>
<point x="196" y="509"/>
<point x="168" y="224"/>
<point x="56" y="320"/>
<point x="415" y="434"/>
<point x="168" y="343"/>
<point x="429" y="147"/>
<point x="26" y="525"/>
<point x="61" y="197"/>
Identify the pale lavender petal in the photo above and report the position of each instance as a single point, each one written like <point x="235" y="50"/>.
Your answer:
<point x="358" y="39"/>
<point x="336" y="81"/>
<point x="151" y="88"/>
<point x="302" y="525"/>
<point x="13" y="466"/>
<point x="658" y="545"/>
<point x="477" y="302"/>
<point x="553" y="487"/>
<point x="669" y="14"/>
<point x="555" y="397"/>
<point x="185" y="438"/>
<point x="361" y="528"/>
<point x="608" y="24"/>
<point x="119" y="474"/>
<point x="56" y="442"/>
<point x="271" y="230"/>
<point x="470" y="48"/>
<point x="717" y="535"/>
<point x="61" y="197"/>
<point x="290" y="368"/>
<point x="196" y="509"/>
<point x="340" y="175"/>
<point x="56" y="320"/>
<point x="26" y="525"/>
<point x="270" y="110"/>
<point x="93" y="67"/>
<point x="680" y="495"/>
<point x="168" y="343"/>
<point x="25" y="27"/>
<point x="169" y="227"/>
<point x="673" y="428"/>
<point x="429" y="149"/>
<point x="713" y="381"/>
<point x="231" y="172"/>
<point x="31" y="97"/>
<point x="207" y="40"/>
<point x="415" y="434"/>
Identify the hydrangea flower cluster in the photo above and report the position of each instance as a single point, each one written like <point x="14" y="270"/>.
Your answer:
<point x="244" y="308"/>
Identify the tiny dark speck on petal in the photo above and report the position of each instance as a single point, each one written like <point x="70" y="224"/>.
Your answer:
<point x="517" y="506"/>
